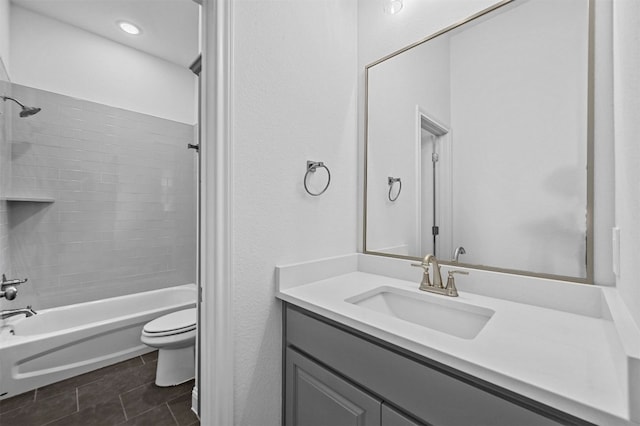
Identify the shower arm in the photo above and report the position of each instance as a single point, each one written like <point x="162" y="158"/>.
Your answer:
<point x="26" y="110"/>
<point x="4" y="98"/>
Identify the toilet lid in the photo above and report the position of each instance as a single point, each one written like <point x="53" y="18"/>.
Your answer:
<point x="175" y="322"/>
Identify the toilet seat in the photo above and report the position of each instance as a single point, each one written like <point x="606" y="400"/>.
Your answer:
<point x="171" y="324"/>
<point x="172" y="341"/>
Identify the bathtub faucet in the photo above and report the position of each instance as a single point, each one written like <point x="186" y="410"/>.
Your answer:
<point x="8" y="288"/>
<point x="22" y="311"/>
<point x="6" y="282"/>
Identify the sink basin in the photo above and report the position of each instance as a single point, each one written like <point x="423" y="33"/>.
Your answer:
<point x="431" y="311"/>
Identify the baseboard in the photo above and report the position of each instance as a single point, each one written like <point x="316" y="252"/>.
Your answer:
<point x="194" y="401"/>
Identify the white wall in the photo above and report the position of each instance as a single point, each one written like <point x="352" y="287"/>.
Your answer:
<point x="519" y="120"/>
<point x="50" y="55"/>
<point x="626" y="26"/>
<point x="4" y="32"/>
<point x="294" y="99"/>
<point x="603" y="144"/>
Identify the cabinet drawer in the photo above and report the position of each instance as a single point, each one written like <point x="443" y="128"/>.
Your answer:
<point x="434" y="396"/>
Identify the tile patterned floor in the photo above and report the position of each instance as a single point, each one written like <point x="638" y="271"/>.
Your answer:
<point x="121" y="394"/>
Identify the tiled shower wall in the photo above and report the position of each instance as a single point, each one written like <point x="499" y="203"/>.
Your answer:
<point x="123" y="216"/>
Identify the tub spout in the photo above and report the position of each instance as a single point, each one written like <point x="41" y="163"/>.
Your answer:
<point x="28" y="311"/>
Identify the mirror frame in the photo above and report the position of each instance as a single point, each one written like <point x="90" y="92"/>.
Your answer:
<point x="590" y="150"/>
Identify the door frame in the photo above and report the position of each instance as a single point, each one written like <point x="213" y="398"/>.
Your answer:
<point x="443" y="135"/>
<point x="217" y="370"/>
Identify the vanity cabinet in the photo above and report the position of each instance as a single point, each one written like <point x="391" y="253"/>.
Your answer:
<point x="335" y="375"/>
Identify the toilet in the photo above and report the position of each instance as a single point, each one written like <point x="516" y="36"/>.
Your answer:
<point x="174" y="335"/>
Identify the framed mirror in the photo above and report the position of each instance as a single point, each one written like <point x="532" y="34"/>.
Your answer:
<point x="479" y="143"/>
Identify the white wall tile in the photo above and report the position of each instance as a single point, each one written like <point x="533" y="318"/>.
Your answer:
<point x="124" y="211"/>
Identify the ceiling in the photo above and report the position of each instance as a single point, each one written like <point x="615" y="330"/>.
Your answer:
<point x="169" y="27"/>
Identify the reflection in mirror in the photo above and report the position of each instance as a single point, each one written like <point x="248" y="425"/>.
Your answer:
<point x="487" y="125"/>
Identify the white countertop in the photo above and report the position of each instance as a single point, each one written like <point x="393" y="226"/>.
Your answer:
<point x="569" y="352"/>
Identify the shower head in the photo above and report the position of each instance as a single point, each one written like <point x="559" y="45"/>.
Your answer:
<point x="26" y="110"/>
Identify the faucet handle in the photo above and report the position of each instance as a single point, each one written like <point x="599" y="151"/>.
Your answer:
<point x="426" y="281"/>
<point x="9" y="292"/>
<point x="424" y="266"/>
<point x="451" y="282"/>
<point x="6" y="283"/>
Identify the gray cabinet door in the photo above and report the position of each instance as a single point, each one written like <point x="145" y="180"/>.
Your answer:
<point x="392" y="417"/>
<point x="317" y="397"/>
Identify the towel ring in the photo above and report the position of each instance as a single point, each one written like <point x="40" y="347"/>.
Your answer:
<point x="312" y="166"/>
<point x="392" y="181"/>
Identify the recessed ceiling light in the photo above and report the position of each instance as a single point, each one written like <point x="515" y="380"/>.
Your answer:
<point x="129" y="28"/>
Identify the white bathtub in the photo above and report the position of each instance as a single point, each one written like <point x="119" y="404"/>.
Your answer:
<point x="63" y="342"/>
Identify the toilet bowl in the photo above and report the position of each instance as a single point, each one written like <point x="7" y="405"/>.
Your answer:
<point x="174" y="335"/>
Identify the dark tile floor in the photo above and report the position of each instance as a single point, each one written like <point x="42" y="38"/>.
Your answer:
<point x="121" y="394"/>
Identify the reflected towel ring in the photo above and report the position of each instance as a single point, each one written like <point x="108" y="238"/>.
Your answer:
<point x="392" y="181"/>
<point x="311" y="168"/>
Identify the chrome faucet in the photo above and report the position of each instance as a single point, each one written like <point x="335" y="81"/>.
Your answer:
<point x="28" y="311"/>
<point x="6" y="282"/>
<point x="8" y="288"/>
<point x="437" y="287"/>
<point x="458" y="251"/>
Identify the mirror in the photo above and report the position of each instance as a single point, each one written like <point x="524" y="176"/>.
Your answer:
<point x="479" y="137"/>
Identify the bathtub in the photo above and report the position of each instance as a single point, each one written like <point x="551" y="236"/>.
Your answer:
<point x="63" y="342"/>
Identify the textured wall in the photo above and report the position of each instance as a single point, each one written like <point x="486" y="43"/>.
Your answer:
<point x="294" y="94"/>
<point x="626" y="39"/>
<point x="123" y="219"/>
